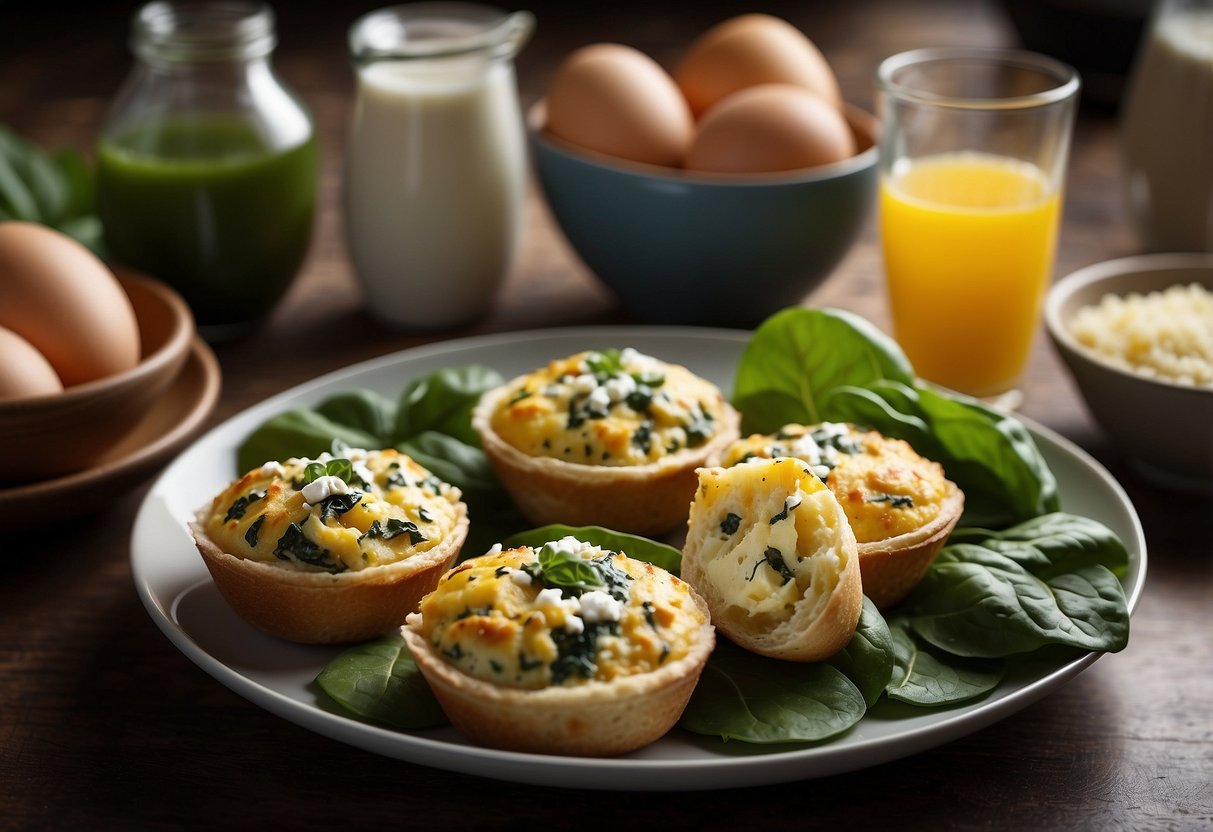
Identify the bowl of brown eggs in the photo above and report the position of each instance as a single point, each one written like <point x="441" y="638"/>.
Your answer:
<point x="84" y="352"/>
<point x="716" y="193"/>
<point x="1137" y="336"/>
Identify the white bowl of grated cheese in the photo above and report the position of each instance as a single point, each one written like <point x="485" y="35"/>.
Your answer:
<point x="1137" y="336"/>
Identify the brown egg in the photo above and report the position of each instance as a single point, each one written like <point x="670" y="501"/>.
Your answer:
<point x="767" y="128"/>
<point x="24" y="372"/>
<point x="616" y="100"/>
<point x="748" y="50"/>
<point x="58" y="296"/>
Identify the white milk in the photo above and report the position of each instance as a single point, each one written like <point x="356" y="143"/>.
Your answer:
<point x="1167" y="133"/>
<point x="435" y="186"/>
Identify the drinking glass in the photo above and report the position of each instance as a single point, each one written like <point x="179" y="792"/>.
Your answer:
<point x="973" y="151"/>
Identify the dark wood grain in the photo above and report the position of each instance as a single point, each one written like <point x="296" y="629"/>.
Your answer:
<point x="104" y="724"/>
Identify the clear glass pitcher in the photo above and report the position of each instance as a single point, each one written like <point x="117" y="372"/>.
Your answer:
<point x="435" y="177"/>
<point x="206" y="163"/>
<point x="1167" y="129"/>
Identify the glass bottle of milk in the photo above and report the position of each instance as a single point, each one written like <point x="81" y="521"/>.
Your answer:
<point x="435" y="183"/>
<point x="1167" y="130"/>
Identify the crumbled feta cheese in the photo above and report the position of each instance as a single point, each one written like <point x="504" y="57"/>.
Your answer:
<point x="272" y="469"/>
<point x="550" y="596"/>
<point x="569" y="545"/>
<point x="520" y="577"/>
<point x="322" y="488"/>
<point x="574" y="625"/>
<point x="495" y="549"/>
<point x="584" y="383"/>
<point x="620" y="387"/>
<point x="571" y="606"/>
<point x="599" y="400"/>
<point x="597" y="606"/>
<point x="793" y="501"/>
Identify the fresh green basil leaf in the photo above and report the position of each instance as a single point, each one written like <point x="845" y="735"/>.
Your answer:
<point x="379" y="681"/>
<point x="867" y="660"/>
<point x="746" y="697"/>
<point x="634" y="546"/>
<point x="443" y="402"/>
<point x="989" y="454"/>
<point x="567" y="571"/>
<point x="297" y="433"/>
<point x="975" y="601"/>
<point x="928" y="677"/>
<point x="798" y="356"/>
<point x="363" y="410"/>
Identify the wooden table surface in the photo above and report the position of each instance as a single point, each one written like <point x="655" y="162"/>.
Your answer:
<point x="104" y="724"/>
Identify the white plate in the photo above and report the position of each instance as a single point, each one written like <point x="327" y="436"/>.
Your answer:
<point x="278" y="676"/>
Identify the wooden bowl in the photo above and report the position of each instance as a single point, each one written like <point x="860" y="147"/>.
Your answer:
<point x="63" y="433"/>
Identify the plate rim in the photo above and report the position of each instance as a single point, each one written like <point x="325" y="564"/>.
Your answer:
<point x="768" y="767"/>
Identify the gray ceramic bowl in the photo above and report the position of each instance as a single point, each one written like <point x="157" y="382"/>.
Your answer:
<point x="1164" y="430"/>
<point x="692" y="248"/>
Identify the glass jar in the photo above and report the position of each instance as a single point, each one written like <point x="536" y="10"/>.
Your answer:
<point x="1167" y="130"/>
<point x="435" y="177"/>
<point x="206" y="163"/>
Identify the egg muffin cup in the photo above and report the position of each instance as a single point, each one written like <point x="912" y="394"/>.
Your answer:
<point x="593" y="717"/>
<point x="318" y="608"/>
<point x="597" y="719"/>
<point x="310" y="605"/>
<point x="647" y="499"/>
<point x="770" y="549"/>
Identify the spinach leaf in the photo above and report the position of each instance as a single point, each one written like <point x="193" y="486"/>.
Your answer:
<point x="634" y="546"/>
<point x="492" y="513"/>
<point x="363" y="410"/>
<point x="1053" y="543"/>
<point x="743" y="696"/>
<point x="443" y="402"/>
<point x="1024" y="589"/>
<point x="798" y="356"/>
<point x="929" y="677"/>
<point x="867" y="660"/>
<point x="297" y="433"/>
<point x="378" y="680"/>
<point x="811" y="365"/>
<point x="989" y="454"/>
<point x="55" y="191"/>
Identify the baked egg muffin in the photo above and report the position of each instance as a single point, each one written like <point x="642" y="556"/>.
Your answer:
<point x="609" y="438"/>
<point x="900" y="505"/>
<point x="769" y="548"/>
<point x="567" y="649"/>
<point x="331" y="549"/>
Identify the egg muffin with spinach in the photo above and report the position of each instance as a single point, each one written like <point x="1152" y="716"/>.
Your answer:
<point x="564" y="649"/>
<point x="610" y="438"/>
<point x="331" y="549"/>
<point x="900" y="505"/>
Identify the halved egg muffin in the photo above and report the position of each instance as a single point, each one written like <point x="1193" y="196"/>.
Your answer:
<point x="900" y="505"/>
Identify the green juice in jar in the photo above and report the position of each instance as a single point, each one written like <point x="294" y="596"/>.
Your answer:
<point x="205" y="205"/>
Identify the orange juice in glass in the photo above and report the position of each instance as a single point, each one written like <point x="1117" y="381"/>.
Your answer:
<point x="970" y="200"/>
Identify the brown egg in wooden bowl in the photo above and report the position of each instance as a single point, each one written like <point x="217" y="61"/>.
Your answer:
<point x="716" y="194"/>
<point x="1137" y="336"/>
<point x="105" y="344"/>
